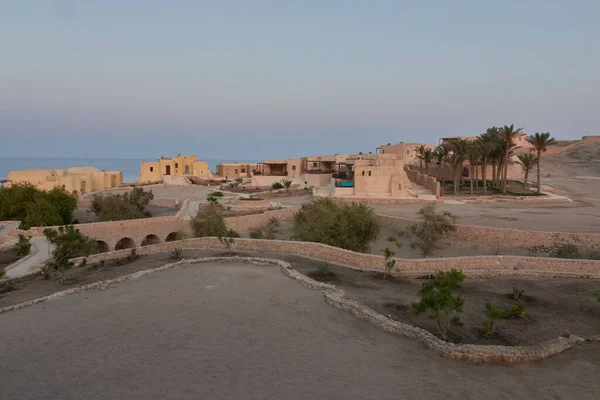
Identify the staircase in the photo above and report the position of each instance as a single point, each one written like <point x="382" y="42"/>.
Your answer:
<point x="176" y="180"/>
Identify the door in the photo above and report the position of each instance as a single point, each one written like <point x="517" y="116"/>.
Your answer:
<point x="168" y="171"/>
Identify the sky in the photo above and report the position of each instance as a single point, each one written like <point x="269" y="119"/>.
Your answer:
<point x="271" y="79"/>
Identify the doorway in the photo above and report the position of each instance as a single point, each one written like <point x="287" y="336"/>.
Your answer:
<point x="168" y="171"/>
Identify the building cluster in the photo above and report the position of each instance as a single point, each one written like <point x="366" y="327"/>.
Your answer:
<point x="78" y="180"/>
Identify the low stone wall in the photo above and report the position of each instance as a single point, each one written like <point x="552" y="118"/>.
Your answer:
<point x="336" y="298"/>
<point x="87" y="202"/>
<point x="482" y="266"/>
<point x="505" y="237"/>
<point x="427" y="181"/>
<point x="246" y="222"/>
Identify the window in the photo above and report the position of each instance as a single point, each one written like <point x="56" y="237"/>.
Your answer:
<point x="176" y="165"/>
<point x="369" y="173"/>
<point x="315" y="165"/>
<point x="363" y="173"/>
<point x="235" y="171"/>
<point x="465" y="172"/>
<point x="293" y="167"/>
<point x="243" y="170"/>
<point x="151" y="169"/>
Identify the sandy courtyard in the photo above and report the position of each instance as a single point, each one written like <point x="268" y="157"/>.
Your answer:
<point x="245" y="332"/>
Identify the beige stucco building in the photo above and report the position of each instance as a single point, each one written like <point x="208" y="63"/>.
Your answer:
<point x="406" y="151"/>
<point x="380" y="175"/>
<point x="168" y="168"/>
<point x="78" y="180"/>
<point x="235" y="170"/>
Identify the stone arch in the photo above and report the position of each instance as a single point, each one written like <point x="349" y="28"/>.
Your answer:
<point x="102" y="246"/>
<point x="171" y="237"/>
<point x="187" y="170"/>
<point x="125" y="243"/>
<point x="150" y="239"/>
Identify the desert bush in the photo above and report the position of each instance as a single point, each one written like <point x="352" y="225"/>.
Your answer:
<point x="350" y="226"/>
<point x="23" y="246"/>
<point x="438" y="300"/>
<point x="177" y="253"/>
<point x="216" y="194"/>
<point x="239" y="180"/>
<point x="494" y="315"/>
<point x="69" y="243"/>
<point x="228" y="242"/>
<point x="34" y="207"/>
<point x="518" y="294"/>
<point x="276" y="186"/>
<point x="389" y="261"/>
<point x="518" y="309"/>
<point x="209" y="222"/>
<point x="324" y="270"/>
<point x="118" y="207"/>
<point x="132" y="255"/>
<point x="269" y="230"/>
<point x="433" y="227"/>
<point x="566" y="247"/>
<point x="212" y="199"/>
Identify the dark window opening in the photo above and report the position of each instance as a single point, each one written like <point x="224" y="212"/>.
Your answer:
<point x="176" y="165"/>
<point x="363" y="173"/>
<point x="369" y="173"/>
<point x="151" y="169"/>
<point x="315" y="164"/>
<point x="293" y="167"/>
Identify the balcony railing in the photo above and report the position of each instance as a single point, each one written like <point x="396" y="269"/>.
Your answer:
<point x="272" y="173"/>
<point x="319" y="171"/>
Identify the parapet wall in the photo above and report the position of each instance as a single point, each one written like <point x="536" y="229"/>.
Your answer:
<point x="500" y="236"/>
<point x="424" y="180"/>
<point x="482" y="266"/>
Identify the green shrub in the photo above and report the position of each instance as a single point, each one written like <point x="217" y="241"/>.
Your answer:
<point x="239" y="180"/>
<point x="23" y="246"/>
<point x="276" y="186"/>
<point x="494" y="315"/>
<point x="389" y="261"/>
<point x="132" y="255"/>
<point x="118" y="207"/>
<point x="177" y="253"/>
<point x="433" y="227"/>
<point x="566" y="247"/>
<point x="227" y="241"/>
<point x="216" y="194"/>
<point x="350" y="226"/>
<point x="69" y="243"/>
<point x="212" y="199"/>
<point x="518" y="309"/>
<point x="439" y="301"/>
<point x="256" y="233"/>
<point x="286" y="184"/>
<point x="34" y="207"/>
<point x="518" y="294"/>
<point x="324" y="270"/>
<point x="209" y="223"/>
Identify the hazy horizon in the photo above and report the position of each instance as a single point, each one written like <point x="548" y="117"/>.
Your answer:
<point x="239" y="80"/>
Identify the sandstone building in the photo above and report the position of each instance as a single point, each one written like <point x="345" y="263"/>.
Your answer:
<point x="166" y="169"/>
<point x="78" y="180"/>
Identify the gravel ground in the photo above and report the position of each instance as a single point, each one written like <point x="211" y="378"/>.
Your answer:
<point x="245" y="332"/>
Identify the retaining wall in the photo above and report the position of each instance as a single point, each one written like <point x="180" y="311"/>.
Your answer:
<point x="482" y="266"/>
<point x="504" y="237"/>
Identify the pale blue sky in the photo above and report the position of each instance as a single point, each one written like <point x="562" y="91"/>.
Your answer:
<point x="259" y="79"/>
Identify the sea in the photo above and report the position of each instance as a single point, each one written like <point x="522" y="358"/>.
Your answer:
<point x="129" y="166"/>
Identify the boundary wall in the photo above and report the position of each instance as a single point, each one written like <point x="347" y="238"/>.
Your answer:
<point x="479" y="266"/>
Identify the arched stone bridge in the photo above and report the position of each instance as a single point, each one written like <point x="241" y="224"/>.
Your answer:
<point x="126" y="234"/>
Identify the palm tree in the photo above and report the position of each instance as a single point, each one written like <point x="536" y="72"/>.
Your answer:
<point x="427" y="158"/>
<point x="540" y="142"/>
<point x="472" y="155"/>
<point x="420" y="152"/>
<point x="527" y="161"/>
<point x="486" y="149"/>
<point x="439" y="154"/>
<point x="456" y="157"/>
<point x="508" y="134"/>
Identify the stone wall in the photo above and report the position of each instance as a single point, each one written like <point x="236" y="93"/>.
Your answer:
<point x="482" y="266"/>
<point x="504" y="237"/>
<point x="427" y="181"/>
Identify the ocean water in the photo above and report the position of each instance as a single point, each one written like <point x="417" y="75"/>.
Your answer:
<point x="129" y="166"/>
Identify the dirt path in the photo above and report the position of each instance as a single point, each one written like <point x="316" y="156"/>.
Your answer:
<point x="231" y="332"/>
